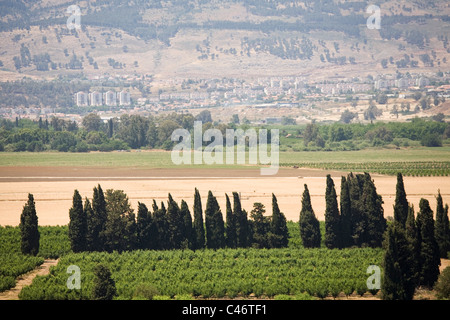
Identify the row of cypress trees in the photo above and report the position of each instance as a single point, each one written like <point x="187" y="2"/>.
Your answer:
<point x="110" y="224"/>
<point x="358" y="222"/>
<point x="414" y="246"/>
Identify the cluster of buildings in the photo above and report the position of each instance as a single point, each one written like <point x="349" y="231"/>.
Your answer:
<point x="271" y="87"/>
<point x="108" y="98"/>
<point x="402" y="83"/>
<point x="175" y="93"/>
<point x="184" y="96"/>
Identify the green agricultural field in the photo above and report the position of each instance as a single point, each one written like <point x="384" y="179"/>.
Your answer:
<point x="54" y="242"/>
<point x="413" y="168"/>
<point x="162" y="159"/>
<point x="440" y="154"/>
<point x="293" y="272"/>
<point x="158" y="159"/>
<point x="411" y="161"/>
<point x="154" y="159"/>
<point x="216" y="273"/>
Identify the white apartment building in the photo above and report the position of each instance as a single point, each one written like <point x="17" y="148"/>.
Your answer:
<point x="124" y="98"/>
<point x="95" y="98"/>
<point x="110" y="98"/>
<point x="81" y="99"/>
<point x="422" y="82"/>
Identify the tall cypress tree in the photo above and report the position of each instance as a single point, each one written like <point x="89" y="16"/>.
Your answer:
<point x="143" y="226"/>
<point x="110" y="128"/>
<point x="176" y="224"/>
<point x="278" y="226"/>
<point x="187" y="225"/>
<point x="231" y="239"/>
<point x="442" y="227"/>
<point x="131" y="239"/>
<point x="155" y="237"/>
<point x="309" y="225"/>
<point x="240" y="215"/>
<point x="401" y="203"/>
<point x="345" y="218"/>
<point x="89" y="213"/>
<point x="332" y="223"/>
<point x="446" y="218"/>
<point x="374" y="214"/>
<point x="261" y="235"/>
<point x="161" y="227"/>
<point x="358" y="216"/>
<point x="77" y="224"/>
<point x="413" y="240"/>
<point x="29" y="231"/>
<point x="429" y="250"/>
<point x="97" y="221"/>
<point x="398" y="281"/>
<point x="199" y="229"/>
<point x="215" y="229"/>
<point x="220" y="227"/>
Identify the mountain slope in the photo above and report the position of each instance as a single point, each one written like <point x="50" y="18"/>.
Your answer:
<point x="206" y="38"/>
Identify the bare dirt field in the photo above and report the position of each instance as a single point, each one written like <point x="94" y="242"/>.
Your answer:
<point x="53" y="188"/>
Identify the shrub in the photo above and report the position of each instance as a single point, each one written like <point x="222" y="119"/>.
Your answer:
<point x="283" y="297"/>
<point x="361" y="288"/>
<point x="145" y="291"/>
<point x="442" y="286"/>
<point x="104" y="285"/>
<point x="7" y="282"/>
<point x="184" y="297"/>
<point x="304" y="296"/>
<point x="321" y="291"/>
<point x="161" y="298"/>
<point x="431" y="140"/>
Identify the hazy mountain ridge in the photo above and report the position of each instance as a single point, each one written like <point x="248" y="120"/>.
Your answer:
<point x="187" y="38"/>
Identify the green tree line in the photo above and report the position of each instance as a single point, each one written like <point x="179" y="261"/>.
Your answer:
<point x="337" y="135"/>
<point x="108" y="223"/>
<point x="135" y="131"/>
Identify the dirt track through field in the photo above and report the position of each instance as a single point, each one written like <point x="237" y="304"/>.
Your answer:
<point x="26" y="279"/>
<point x="53" y="188"/>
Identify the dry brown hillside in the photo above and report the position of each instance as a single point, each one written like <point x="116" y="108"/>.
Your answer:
<point x="229" y="39"/>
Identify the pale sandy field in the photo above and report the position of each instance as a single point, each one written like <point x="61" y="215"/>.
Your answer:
<point x="53" y="196"/>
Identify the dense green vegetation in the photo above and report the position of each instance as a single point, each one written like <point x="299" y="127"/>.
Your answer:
<point x="355" y="136"/>
<point x="154" y="132"/>
<point x="55" y="243"/>
<point x="216" y="273"/>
